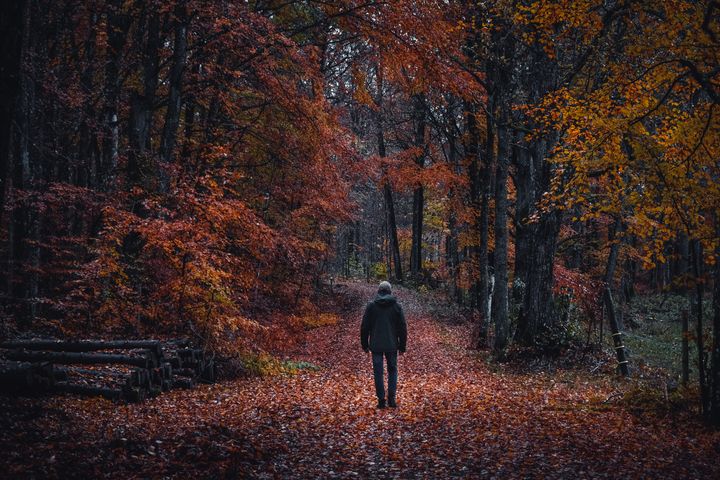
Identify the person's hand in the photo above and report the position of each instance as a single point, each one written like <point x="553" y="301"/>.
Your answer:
<point x="402" y="352"/>
<point x="366" y="350"/>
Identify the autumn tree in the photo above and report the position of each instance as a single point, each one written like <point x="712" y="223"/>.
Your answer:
<point x="639" y="135"/>
<point x="204" y="137"/>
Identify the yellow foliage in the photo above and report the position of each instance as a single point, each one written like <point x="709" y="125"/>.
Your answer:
<point x="642" y="144"/>
<point x="319" y="320"/>
<point x="265" y="365"/>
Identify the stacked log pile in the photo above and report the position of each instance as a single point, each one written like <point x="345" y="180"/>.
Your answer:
<point x="129" y="370"/>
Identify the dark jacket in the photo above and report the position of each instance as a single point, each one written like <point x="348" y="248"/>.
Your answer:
<point x="383" y="326"/>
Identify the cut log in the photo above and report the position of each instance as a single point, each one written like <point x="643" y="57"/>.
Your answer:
<point x="156" y="378"/>
<point x="109" y="393"/>
<point x="185" y="372"/>
<point x="85" y="345"/>
<point x="175" y="362"/>
<point x="138" y="378"/>
<point x="188" y="355"/>
<point x="134" y="394"/>
<point x="180" y="342"/>
<point x="183" y="382"/>
<point x="80" y="358"/>
<point x="11" y="369"/>
<point x="26" y="377"/>
<point x="130" y="376"/>
<point x="110" y="376"/>
<point x="208" y="373"/>
<point x="60" y="374"/>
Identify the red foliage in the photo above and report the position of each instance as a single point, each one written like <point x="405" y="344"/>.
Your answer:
<point x="581" y="287"/>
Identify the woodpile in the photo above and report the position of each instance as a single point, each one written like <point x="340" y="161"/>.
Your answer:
<point x="129" y="370"/>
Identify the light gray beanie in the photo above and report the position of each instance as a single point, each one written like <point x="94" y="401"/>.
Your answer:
<point x="385" y="286"/>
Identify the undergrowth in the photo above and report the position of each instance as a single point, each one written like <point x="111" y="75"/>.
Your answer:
<point x="266" y="365"/>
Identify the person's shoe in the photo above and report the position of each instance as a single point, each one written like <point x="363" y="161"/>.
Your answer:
<point x="381" y="403"/>
<point x="391" y="403"/>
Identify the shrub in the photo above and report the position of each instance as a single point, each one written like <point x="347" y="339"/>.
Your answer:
<point x="566" y="329"/>
<point x="378" y="270"/>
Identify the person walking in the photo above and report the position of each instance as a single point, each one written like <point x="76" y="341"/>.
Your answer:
<point x="384" y="333"/>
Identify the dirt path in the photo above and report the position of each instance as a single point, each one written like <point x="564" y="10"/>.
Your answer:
<point x="457" y="418"/>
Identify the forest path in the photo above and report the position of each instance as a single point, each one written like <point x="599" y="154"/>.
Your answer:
<point x="457" y="418"/>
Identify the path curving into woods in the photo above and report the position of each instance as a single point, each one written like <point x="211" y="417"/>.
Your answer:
<point x="458" y="417"/>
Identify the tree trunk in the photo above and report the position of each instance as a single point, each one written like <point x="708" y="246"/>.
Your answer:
<point x="535" y="242"/>
<point x="190" y="112"/>
<point x="418" y="193"/>
<point x="13" y="28"/>
<point x="715" y="354"/>
<point x="11" y="32"/>
<point x="86" y="176"/>
<point x="452" y="258"/>
<point x="142" y="104"/>
<point x="417" y="226"/>
<point x="616" y="334"/>
<point x="486" y="175"/>
<point x="21" y="225"/>
<point x="683" y="253"/>
<point x="610" y="268"/>
<point x="537" y="309"/>
<point x="387" y="250"/>
<point x="614" y="252"/>
<point x="627" y="283"/>
<point x="118" y="24"/>
<point x="387" y="190"/>
<point x="685" y="350"/>
<point x="480" y="177"/>
<point x="500" y="292"/>
<point x="697" y="259"/>
<point x="172" y="115"/>
<point x="392" y="229"/>
<point x="525" y="179"/>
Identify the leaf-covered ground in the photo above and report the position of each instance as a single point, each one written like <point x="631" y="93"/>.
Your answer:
<point x="458" y="417"/>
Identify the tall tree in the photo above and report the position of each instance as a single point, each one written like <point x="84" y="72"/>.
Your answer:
<point x="174" y="101"/>
<point x="11" y="32"/>
<point x="418" y="208"/>
<point x="391" y="224"/>
<point x="500" y="291"/>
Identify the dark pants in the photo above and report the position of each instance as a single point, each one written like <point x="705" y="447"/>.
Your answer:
<point x="377" y="359"/>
